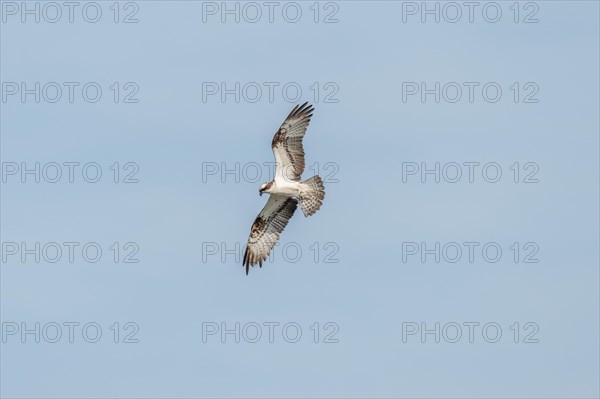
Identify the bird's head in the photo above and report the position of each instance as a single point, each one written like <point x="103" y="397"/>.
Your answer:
<point x="264" y="187"/>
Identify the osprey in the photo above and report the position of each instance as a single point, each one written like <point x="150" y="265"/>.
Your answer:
<point x="286" y="189"/>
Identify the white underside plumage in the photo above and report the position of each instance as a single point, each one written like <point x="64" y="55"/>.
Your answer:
<point x="287" y="188"/>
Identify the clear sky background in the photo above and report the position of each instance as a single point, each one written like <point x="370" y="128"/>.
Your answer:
<point x="371" y="293"/>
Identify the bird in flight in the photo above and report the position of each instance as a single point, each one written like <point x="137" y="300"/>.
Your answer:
<point x="286" y="189"/>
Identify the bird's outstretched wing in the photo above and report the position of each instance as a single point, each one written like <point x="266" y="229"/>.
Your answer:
<point x="287" y="144"/>
<point x="267" y="228"/>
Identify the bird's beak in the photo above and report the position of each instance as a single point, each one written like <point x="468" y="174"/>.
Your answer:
<point x="260" y="192"/>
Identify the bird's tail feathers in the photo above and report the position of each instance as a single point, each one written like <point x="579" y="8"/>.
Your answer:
<point x="312" y="194"/>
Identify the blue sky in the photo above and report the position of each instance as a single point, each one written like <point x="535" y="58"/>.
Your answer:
<point x="178" y="219"/>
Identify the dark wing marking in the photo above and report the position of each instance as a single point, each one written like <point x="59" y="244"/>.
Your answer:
<point x="267" y="228"/>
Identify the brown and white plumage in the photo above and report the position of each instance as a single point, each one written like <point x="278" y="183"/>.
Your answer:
<point x="287" y="143"/>
<point x="286" y="189"/>
<point x="267" y="228"/>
